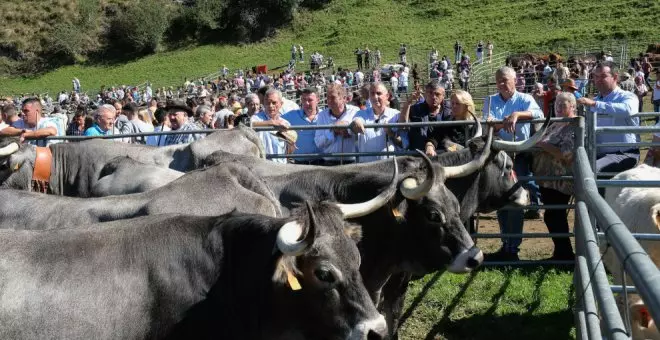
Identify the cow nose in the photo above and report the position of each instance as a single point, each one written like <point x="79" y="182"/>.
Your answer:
<point x="376" y="335"/>
<point x="375" y="329"/>
<point x="476" y="259"/>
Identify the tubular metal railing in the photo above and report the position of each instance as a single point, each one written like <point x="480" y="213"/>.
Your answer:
<point x="596" y="311"/>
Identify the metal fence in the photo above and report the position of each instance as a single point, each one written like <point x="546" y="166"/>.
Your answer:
<point x="596" y="313"/>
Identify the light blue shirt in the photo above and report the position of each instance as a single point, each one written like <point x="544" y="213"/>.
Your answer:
<point x="272" y="144"/>
<point x="620" y="105"/>
<point x="375" y="140"/>
<point x="500" y="109"/>
<point x="305" y="142"/>
<point x="326" y="140"/>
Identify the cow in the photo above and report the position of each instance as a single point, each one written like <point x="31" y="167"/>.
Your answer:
<point x="123" y="175"/>
<point x="203" y="192"/>
<point x="211" y="191"/>
<point x="490" y="188"/>
<point x="234" y="276"/>
<point x="639" y="210"/>
<point x="75" y="167"/>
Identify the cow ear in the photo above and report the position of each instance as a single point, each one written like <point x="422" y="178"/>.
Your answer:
<point x="655" y="213"/>
<point x="353" y="231"/>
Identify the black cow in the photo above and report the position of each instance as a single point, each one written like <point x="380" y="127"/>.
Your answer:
<point x="76" y="167"/>
<point x="236" y="276"/>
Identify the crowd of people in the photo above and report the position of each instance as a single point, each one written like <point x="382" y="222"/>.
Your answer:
<point x="351" y="99"/>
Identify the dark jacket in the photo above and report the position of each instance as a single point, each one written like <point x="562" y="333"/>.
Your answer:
<point x="420" y="113"/>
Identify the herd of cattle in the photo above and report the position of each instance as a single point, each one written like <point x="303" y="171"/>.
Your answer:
<point x="209" y="239"/>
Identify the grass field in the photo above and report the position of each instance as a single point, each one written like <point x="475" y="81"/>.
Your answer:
<point x="531" y="303"/>
<point x="524" y="25"/>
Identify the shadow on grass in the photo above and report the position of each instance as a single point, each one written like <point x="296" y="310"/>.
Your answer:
<point x="556" y="325"/>
<point x="553" y="326"/>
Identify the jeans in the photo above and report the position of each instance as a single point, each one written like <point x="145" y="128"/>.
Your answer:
<point x="511" y="221"/>
<point x="615" y="162"/>
<point x="656" y="108"/>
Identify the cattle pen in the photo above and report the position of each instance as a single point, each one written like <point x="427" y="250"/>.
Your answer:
<point x="595" y="311"/>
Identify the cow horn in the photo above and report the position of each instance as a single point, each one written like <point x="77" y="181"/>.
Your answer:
<point x="290" y="240"/>
<point x="522" y="145"/>
<point x="474" y="165"/>
<point x="9" y="149"/>
<point x="365" y="208"/>
<point x="479" y="131"/>
<point x="413" y="191"/>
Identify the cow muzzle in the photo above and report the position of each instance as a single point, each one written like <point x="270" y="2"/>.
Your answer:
<point x="466" y="261"/>
<point x="521" y="197"/>
<point x="374" y="329"/>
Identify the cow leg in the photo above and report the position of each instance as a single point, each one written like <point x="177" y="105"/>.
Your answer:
<point x="391" y="306"/>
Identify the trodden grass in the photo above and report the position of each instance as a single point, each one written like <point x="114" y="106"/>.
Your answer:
<point x="531" y="303"/>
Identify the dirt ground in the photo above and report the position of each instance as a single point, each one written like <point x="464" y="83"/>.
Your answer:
<point x="531" y="248"/>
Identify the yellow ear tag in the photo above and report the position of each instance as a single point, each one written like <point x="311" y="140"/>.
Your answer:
<point x="396" y="212"/>
<point x="293" y="281"/>
<point x="17" y="166"/>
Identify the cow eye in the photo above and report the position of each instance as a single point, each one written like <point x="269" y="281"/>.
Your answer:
<point x="325" y="275"/>
<point x="436" y="216"/>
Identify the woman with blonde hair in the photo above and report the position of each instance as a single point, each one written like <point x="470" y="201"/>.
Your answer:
<point x="453" y="138"/>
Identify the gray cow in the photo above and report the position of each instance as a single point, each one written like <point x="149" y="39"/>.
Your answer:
<point x="123" y="175"/>
<point x="76" y="167"/>
<point x="204" y="192"/>
<point x="236" y="276"/>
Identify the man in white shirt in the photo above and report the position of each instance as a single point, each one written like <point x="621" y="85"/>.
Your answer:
<point x="37" y="126"/>
<point x="271" y="117"/>
<point x="403" y="81"/>
<point x="338" y="113"/>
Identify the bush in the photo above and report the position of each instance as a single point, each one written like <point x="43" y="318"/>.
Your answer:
<point x="138" y="29"/>
<point x="253" y="20"/>
<point x="72" y="41"/>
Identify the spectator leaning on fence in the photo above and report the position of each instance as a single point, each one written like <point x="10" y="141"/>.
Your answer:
<point x="338" y="113"/>
<point x="306" y="117"/>
<point x="36" y="126"/>
<point x="557" y="160"/>
<point x="511" y="106"/>
<point x="434" y="108"/>
<point x="271" y="117"/>
<point x="620" y="106"/>
<point x="177" y="113"/>
<point x="104" y="117"/>
<point x="377" y="139"/>
<point x="453" y="138"/>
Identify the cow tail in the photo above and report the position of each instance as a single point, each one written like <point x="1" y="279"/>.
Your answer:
<point x="252" y="136"/>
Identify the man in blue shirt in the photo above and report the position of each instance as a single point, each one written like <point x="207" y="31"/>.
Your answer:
<point x="511" y="106"/>
<point x="307" y="116"/>
<point x="105" y="121"/>
<point x="620" y="106"/>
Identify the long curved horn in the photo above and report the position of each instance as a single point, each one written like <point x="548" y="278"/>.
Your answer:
<point x="479" y="131"/>
<point x="365" y="208"/>
<point x="474" y="165"/>
<point x="413" y="191"/>
<point x="522" y="145"/>
<point x="9" y="149"/>
<point x="290" y="240"/>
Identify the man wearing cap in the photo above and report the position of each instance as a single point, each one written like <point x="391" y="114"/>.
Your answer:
<point x="627" y="83"/>
<point x="608" y="57"/>
<point x="570" y="86"/>
<point x="177" y="113"/>
<point x="620" y="106"/>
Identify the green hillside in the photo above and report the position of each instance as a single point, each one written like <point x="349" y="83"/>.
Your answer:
<point x="526" y="25"/>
